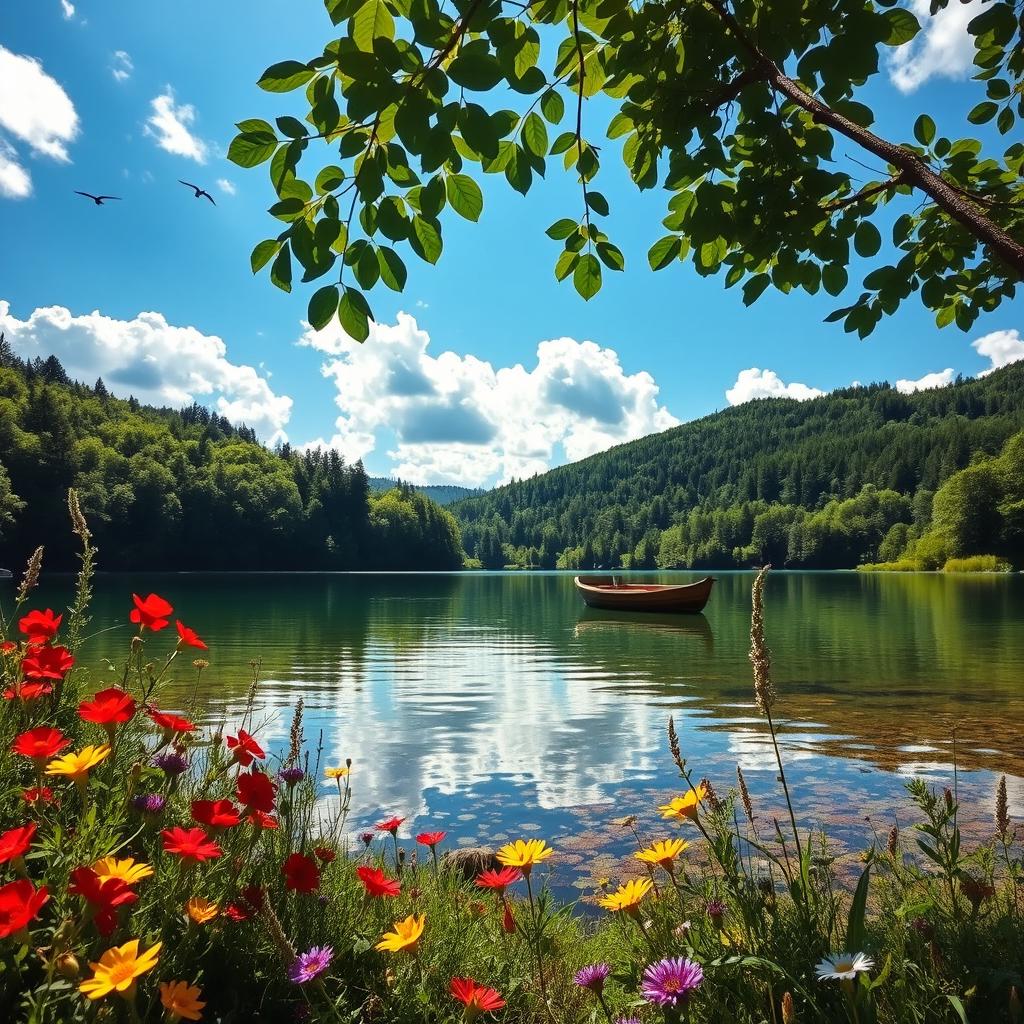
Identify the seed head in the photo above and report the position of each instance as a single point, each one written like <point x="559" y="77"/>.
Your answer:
<point x="31" y="578"/>
<point x="893" y="843"/>
<point x="1002" y="809"/>
<point x="788" y="1009"/>
<point x="760" y="656"/>
<point x="748" y="807"/>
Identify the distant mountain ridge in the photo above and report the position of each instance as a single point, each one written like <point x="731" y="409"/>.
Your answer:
<point x="442" y="494"/>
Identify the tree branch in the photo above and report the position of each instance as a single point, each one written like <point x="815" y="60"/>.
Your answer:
<point x="866" y="193"/>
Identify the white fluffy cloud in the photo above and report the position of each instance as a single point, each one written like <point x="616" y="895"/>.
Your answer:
<point x="170" y="125"/>
<point x="458" y="419"/>
<point x="929" y="380"/>
<point x="121" y="66"/>
<point x="1001" y="348"/>
<point x="942" y="49"/>
<point x="757" y="383"/>
<point x="153" y="360"/>
<point x="67" y="8"/>
<point x="226" y="186"/>
<point x="35" y="110"/>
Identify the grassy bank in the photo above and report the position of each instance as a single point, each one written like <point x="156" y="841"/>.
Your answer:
<point x="973" y="563"/>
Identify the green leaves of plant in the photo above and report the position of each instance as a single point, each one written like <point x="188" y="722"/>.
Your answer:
<point x="465" y="196"/>
<point x="251" y="148"/>
<point x="924" y="130"/>
<point x="902" y="26"/>
<point x="983" y="112"/>
<point x="663" y="252"/>
<point x="586" y="277"/>
<point x="866" y="239"/>
<point x="285" y="77"/>
<point x="426" y="239"/>
<point x="354" y="314"/>
<point x="322" y="307"/>
<point x="372" y="21"/>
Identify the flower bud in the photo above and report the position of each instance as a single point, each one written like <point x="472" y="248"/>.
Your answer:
<point x="68" y="966"/>
<point x="788" y="1009"/>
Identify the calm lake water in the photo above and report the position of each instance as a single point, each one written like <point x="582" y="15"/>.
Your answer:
<point x="495" y="706"/>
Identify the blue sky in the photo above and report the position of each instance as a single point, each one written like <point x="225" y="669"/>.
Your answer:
<point x="435" y="394"/>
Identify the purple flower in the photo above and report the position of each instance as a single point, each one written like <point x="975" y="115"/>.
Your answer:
<point x="291" y="775"/>
<point x="716" y="911"/>
<point x="172" y="764"/>
<point x="308" y="966"/>
<point x="671" y="982"/>
<point x="367" y="838"/>
<point x="149" y="803"/>
<point x="593" y="977"/>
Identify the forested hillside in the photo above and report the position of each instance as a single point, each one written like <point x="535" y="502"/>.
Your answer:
<point x="833" y="482"/>
<point x="169" y="489"/>
<point x="443" y="494"/>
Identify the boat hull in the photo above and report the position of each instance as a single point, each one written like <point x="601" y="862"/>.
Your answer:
<point x="602" y="592"/>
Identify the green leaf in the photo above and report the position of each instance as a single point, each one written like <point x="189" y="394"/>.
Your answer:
<point x="566" y="264"/>
<point x="561" y="228"/>
<point x="597" y="202"/>
<point x="329" y="179"/>
<point x="255" y="126"/>
<point x="288" y="209"/>
<point x="425" y="239"/>
<point x="957" y="1003"/>
<point x="866" y="239"/>
<point x="552" y="106"/>
<point x="924" y="130"/>
<point x="587" y="277"/>
<point x="855" y="922"/>
<point x="663" y="252"/>
<point x="392" y="269"/>
<point x="901" y="27"/>
<point x="479" y="72"/>
<point x="834" y="278"/>
<point x="262" y="253"/>
<point x="754" y="288"/>
<point x="367" y="268"/>
<point x="465" y="196"/>
<point x="252" y="148"/>
<point x="354" y="315"/>
<point x="535" y="135"/>
<point x="983" y="112"/>
<point x="284" y="77"/>
<point x="1006" y="120"/>
<point x="322" y="307"/>
<point x="373" y="20"/>
<point x="281" y="270"/>
<point x="611" y="256"/>
<point x="292" y="127"/>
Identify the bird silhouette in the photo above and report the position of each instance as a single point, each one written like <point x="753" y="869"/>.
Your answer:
<point x="98" y="200"/>
<point x="199" y="191"/>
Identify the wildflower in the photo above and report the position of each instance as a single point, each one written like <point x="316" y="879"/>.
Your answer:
<point x="236" y="913"/>
<point x="192" y="845"/>
<point x="671" y="982"/>
<point x="325" y="854"/>
<point x="104" y="897"/>
<point x="200" y="664"/>
<point x="255" y="790"/>
<point x="292" y="775"/>
<point x="406" y="935"/>
<point x="716" y="911"/>
<point x="118" y="969"/>
<point x="245" y="748"/>
<point x="377" y="883"/>
<point x="149" y="803"/>
<point x="171" y="763"/>
<point x="215" y="813"/>
<point x="335" y="773"/>
<point x="300" y="873"/>
<point x="40" y="744"/>
<point x="188" y="637"/>
<point x="760" y="657"/>
<point x="391" y="825"/>
<point x="108" y="708"/>
<point x="181" y="1000"/>
<point x="524" y="854"/>
<point x="308" y="966"/>
<point x="1002" y="808"/>
<point x="202" y="911"/>
<point x="20" y="901"/>
<point x="499" y="880"/>
<point x="975" y="890"/>
<point x="593" y="977"/>
<point x="627" y="897"/>
<point x="843" y="966"/>
<point x="367" y="838"/>
<point x="8" y="647"/>
<point x="262" y="820"/>
<point x="128" y="870"/>
<point x="27" y="691"/>
<point x="430" y="839"/>
<point x="15" y="843"/>
<point x="150" y="613"/>
<point x="170" y="724"/>
<point x="40" y="626"/>
<point x="47" y="663"/>
<point x="76" y="766"/>
<point x="476" y="998"/>
<point x="37" y="795"/>
<point x="663" y="853"/>
<point x="684" y="808"/>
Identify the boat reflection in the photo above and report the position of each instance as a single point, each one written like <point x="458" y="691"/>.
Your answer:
<point x="671" y="626"/>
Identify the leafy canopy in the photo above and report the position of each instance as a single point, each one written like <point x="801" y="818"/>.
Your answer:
<point x="746" y="114"/>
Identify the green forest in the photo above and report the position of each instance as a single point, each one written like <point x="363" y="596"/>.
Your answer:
<point x="862" y="475"/>
<point x="169" y="489"/>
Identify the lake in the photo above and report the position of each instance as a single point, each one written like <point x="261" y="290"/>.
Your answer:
<point x="495" y="706"/>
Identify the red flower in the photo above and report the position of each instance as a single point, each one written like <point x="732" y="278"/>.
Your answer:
<point x="262" y="819"/>
<point x="15" y="843"/>
<point x="215" y="813"/>
<point x="47" y="663"/>
<point x="151" y="612"/>
<point x="7" y="646"/>
<point x="246" y="748"/>
<point x="19" y="903"/>
<point x="190" y="844"/>
<point x="235" y="913"/>
<point x="28" y="691"/>
<point x="169" y="723"/>
<point x="508" y="921"/>
<point x="108" y="707"/>
<point x="187" y="637"/>
<point x="377" y="883"/>
<point x="253" y="895"/>
<point x="301" y="873"/>
<point x="325" y="854"/>
<point x="38" y="794"/>
<point x="476" y="998"/>
<point x="40" y="626"/>
<point x="499" y="880"/>
<point x="103" y="897"/>
<point x="256" y="791"/>
<point x="430" y="839"/>
<point x="391" y="825"/>
<point x="41" y="744"/>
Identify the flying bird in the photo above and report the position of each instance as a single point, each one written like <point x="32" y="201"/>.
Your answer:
<point x="199" y="191"/>
<point x="98" y="200"/>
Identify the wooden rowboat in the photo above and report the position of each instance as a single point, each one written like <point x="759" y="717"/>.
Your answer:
<point x="605" y="592"/>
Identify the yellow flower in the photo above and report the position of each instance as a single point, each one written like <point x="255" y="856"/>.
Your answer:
<point x="627" y="897"/>
<point x="128" y="870"/>
<point x="181" y="999"/>
<point x="201" y="910"/>
<point x="335" y="773"/>
<point x="523" y="854"/>
<point x="76" y="766"/>
<point x="118" y="968"/>
<point x="406" y="935"/>
<point x="684" y="808"/>
<point x="663" y="852"/>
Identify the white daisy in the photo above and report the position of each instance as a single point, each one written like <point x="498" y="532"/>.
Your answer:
<point x="843" y="966"/>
